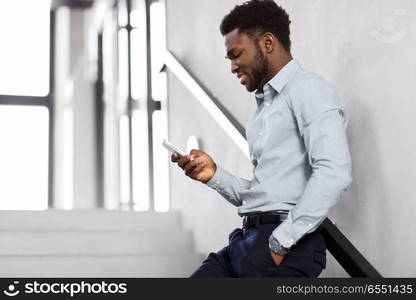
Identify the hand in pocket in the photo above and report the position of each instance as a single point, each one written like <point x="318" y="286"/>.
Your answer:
<point x="277" y="259"/>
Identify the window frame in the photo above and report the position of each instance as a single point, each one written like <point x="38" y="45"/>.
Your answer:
<point x="45" y="101"/>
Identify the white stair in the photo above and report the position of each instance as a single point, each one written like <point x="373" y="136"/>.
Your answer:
<point x="95" y="244"/>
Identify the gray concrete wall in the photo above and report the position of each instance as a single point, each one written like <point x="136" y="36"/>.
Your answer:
<point x="366" y="49"/>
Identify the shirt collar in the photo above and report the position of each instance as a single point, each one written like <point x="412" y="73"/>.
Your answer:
<point x="278" y="82"/>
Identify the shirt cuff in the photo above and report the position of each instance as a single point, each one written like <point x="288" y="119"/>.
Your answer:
<point x="283" y="233"/>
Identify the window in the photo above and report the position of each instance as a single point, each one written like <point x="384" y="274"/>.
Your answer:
<point x="24" y="100"/>
<point x="24" y="51"/>
<point x="23" y="157"/>
<point x="140" y="108"/>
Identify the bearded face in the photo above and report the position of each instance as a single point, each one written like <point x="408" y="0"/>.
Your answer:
<point x="248" y="61"/>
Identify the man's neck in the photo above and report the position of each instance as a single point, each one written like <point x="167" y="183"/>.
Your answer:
<point x="281" y="64"/>
<point x="276" y="67"/>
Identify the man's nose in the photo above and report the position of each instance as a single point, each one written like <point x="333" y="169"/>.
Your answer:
<point x="234" y="67"/>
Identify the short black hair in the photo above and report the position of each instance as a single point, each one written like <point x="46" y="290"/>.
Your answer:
<point x="259" y="16"/>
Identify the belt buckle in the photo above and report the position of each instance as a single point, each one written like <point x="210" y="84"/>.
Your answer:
<point x="249" y="219"/>
<point x="245" y="222"/>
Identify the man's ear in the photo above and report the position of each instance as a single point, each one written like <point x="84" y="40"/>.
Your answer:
<point x="268" y="42"/>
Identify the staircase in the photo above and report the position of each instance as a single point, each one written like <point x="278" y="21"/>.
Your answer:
<point x="95" y="243"/>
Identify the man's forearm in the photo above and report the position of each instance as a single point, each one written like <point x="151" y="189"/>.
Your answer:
<point x="228" y="185"/>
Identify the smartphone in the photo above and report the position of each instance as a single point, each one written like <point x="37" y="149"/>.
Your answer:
<point x="173" y="148"/>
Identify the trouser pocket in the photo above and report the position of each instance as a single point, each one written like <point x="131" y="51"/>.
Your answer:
<point x="308" y="256"/>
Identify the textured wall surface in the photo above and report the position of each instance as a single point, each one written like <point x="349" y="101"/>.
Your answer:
<point x="366" y="48"/>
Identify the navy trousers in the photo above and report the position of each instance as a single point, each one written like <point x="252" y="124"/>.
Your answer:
<point x="247" y="255"/>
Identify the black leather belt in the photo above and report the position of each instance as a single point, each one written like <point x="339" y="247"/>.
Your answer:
<point x="263" y="218"/>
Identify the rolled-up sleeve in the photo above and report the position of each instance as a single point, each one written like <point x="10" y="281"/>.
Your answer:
<point x="322" y="125"/>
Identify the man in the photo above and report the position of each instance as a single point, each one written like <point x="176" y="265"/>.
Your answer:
<point x="298" y="147"/>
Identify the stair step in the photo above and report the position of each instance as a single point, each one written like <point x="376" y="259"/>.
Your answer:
<point x="89" y="220"/>
<point x="99" y="266"/>
<point x="94" y="242"/>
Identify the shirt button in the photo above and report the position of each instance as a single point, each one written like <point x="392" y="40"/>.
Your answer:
<point x="261" y="133"/>
<point x="217" y="182"/>
<point x="244" y="202"/>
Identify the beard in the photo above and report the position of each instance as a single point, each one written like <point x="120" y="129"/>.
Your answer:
<point x="260" y="71"/>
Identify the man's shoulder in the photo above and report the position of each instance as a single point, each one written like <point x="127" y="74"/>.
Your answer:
<point x="306" y="82"/>
<point x="310" y="94"/>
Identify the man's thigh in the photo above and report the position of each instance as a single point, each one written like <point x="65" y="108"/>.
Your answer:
<point x="248" y="255"/>
<point x="215" y="265"/>
<point x="218" y="264"/>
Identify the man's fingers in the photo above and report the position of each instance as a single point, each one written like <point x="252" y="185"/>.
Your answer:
<point x="198" y="169"/>
<point x="175" y="157"/>
<point x="189" y="167"/>
<point x="195" y="153"/>
<point x="184" y="160"/>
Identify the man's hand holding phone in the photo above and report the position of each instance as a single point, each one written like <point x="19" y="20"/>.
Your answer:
<point x="197" y="165"/>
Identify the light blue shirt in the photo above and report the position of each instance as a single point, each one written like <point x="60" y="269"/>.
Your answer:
<point x="299" y="150"/>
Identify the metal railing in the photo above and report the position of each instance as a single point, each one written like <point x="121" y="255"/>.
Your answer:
<point x="347" y="255"/>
